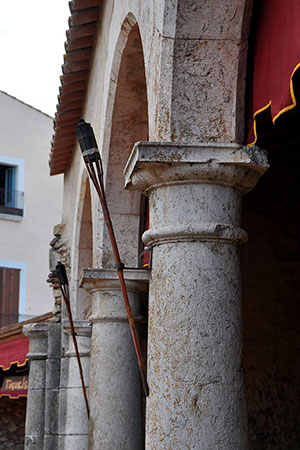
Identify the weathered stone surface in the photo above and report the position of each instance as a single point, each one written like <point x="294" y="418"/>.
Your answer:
<point x="38" y="335"/>
<point x="35" y="412"/>
<point x="34" y="442"/>
<point x="194" y="334"/>
<point x="51" y="411"/>
<point x="73" y="442"/>
<point x="115" y="388"/>
<point x="72" y="408"/>
<point x="51" y="442"/>
<point x="54" y="338"/>
<point x="12" y="428"/>
<point x="73" y="414"/>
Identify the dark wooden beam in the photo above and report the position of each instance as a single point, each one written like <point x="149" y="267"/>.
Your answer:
<point x="73" y="87"/>
<point x="83" y="30"/>
<point x="83" y="42"/>
<point x="71" y="96"/>
<point x="78" y="5"/>
<point x="78" y="55"/>
<point x="76" y="66"/>
<point x="68" y="78"/>
<point x="82" y="17"/>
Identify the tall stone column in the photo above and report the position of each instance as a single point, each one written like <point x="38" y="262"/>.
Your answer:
<point x="73" y="419"/>
<point x="35" y="412"/>
<point x="116" y="420"/>
<point x="52" y="385"/>
<point x="194" y="333"/>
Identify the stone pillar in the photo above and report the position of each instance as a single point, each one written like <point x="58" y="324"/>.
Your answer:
<point x="73" y="420"/>
<point x="194" y="331"/>
<point x="116" y="420"/>
<point x="52" y="386"/>
<point x="35" y="412"/>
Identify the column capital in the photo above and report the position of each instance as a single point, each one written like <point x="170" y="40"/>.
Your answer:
<point x="102" y="279"/>
<point x="38" y="339"/>
<point x="157" y="164"/>
<point x="194" y="190"/>
<point x="104" y="287"/>
<point x="82" y="327"/>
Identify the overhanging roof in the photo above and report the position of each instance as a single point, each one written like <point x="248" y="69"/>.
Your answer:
<point x="83" y="24"/>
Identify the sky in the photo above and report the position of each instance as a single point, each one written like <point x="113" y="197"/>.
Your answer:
<point x="32" y="36"/>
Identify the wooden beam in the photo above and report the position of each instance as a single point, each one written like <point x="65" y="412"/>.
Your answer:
<point x="83" y="30"/>
<point x="73" y="87"/>
<point x="61" y="158"/>
<point x="62" y="121"/>
<point x="76" y="66"/>
<point x="60" y="131"/>
<point x="68" y="78"/>
<point x="82" y="17"/>
<point x="70" y="97"/>
<point x="78" y="5"/>
<point x="78" y="55"/>
<point x="62" y="141"/>
<point x="83" y="42"/>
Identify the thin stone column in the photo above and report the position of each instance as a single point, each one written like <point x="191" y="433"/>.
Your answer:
<point x="73" y="420"/>
<point x="35" y="412"/>
<point x="116" y="420"/>
<point x="194" y="332"/>
<point x="52" y="386"/>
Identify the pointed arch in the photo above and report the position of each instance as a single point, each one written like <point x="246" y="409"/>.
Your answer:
<point x="83" y="248"/>
<point x="128" y="124"/>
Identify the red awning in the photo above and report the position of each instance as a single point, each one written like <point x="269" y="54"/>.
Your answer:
<point x="276" y="60"/>
<point x="14" y="351"/>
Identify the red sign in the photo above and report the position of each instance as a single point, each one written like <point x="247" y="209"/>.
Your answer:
<point x="14" y="386"/>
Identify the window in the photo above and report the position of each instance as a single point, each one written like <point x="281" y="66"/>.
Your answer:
<point x="13" y="276"/>
<point x="11" y="188"/>
<point x="9" y="296"/>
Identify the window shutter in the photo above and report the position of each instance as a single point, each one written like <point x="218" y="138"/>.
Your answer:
<point x="9" y="295"/>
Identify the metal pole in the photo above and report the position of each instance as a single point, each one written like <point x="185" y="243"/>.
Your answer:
<point x="64" y="287"/>
<point x="92" y="160"/>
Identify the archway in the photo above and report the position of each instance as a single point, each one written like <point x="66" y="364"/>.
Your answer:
<point x="84" y="252"/>
<point x="129" y="125"/>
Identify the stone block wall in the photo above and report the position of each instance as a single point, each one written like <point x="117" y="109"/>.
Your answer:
<point x="12" y="428"/>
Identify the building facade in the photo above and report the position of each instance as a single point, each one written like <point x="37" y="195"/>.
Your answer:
<point x="30" y="205"/>
<point x="27" y="210"/>
<point x="166" y="87"/>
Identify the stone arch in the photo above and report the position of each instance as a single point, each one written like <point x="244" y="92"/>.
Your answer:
<point x="83" y="248"/>
<point x="127" y="117"/>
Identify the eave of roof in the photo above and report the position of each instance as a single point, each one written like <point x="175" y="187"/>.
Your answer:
<point x="16" y="330"/>
<point x="83" y="24"/>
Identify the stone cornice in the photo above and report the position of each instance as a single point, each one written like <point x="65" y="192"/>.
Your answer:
<point x="157" y="164"/>
<point x="101" y="279"/>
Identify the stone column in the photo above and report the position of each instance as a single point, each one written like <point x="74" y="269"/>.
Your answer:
<point x="116" y="420"/>
<point x="35" y="412"/>
<point x="73" y="420"/>
<point x="194" y="332"/>
<point x="52" y="386"/>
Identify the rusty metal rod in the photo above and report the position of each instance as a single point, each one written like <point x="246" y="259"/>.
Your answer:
<point x="64" y="287"/>
<point x="91" y="156"/>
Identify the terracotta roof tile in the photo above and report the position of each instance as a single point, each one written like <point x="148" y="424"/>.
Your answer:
<point x="83" y="24"/>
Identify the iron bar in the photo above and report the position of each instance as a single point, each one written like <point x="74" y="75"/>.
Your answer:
<point x="92" y="159"/>
<point x="64" y="287"/>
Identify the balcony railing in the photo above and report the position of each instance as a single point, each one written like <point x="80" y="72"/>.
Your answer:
<point x="11" y="202"/>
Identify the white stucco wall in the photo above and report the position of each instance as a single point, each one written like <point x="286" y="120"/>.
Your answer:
<point x="25" y="135"/>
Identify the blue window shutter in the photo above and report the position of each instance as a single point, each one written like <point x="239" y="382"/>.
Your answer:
<point x="10" y="186"/>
